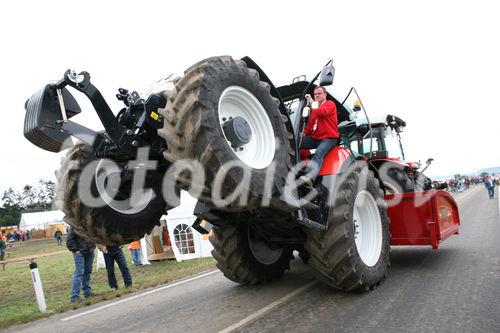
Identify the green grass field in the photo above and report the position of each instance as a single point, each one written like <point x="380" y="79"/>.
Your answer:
<point x="17" y="296"/>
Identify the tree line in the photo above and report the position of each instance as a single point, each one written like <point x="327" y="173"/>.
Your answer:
<point x="32" y="198"/>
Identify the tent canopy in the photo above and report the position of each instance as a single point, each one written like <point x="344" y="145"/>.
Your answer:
<point x="39" y="220"/>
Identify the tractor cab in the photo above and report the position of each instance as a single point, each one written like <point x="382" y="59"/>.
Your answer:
<point x="380" y="140"/>
<point x="377" y="141"/>
<point x="415" y="208"/>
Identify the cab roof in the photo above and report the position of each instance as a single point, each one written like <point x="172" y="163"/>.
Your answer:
<point x="297" y="90"/>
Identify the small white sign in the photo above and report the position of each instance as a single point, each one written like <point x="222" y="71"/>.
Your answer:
<point x="100" y="260"/>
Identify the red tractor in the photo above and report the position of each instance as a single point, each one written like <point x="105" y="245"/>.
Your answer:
<point x="227" y="135"/>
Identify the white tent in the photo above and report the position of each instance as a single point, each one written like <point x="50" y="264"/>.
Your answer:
<point x="187" y="243"/>
<point x="40" y="220"/>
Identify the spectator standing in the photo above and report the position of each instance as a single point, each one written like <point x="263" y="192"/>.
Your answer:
<point x="3" y="247"/>
<point x="10" y="241"/>
<point x="135" y="248"/>
<point x="114" y="253"/>
<point x="490" y="186"/>
<point x="83" y="257"/>
<point x="58" y="236"/>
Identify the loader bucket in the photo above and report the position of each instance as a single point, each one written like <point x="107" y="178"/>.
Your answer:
<point x="422" y="218"/>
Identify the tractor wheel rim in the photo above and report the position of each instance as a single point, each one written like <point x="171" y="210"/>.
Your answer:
<point x="107" y="169"/>
<point x="367" y="228"/>
<point x="261" y="252"/>
<point x="235" y="102"/>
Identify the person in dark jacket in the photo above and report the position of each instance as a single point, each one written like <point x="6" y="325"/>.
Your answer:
<point x="490" y="186"/>
<point x="83" y="256"/>
<point x="114" y="253"/>
<point x="58" y="236"/>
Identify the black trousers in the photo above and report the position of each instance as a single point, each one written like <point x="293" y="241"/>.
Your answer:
<point x="109" y="260"/>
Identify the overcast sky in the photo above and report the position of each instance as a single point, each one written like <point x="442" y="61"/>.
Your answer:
<point x="435" y="64"/>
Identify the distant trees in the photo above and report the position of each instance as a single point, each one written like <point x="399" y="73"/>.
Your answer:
<point x="484" y="174"/>
<point x="30" y="199"/>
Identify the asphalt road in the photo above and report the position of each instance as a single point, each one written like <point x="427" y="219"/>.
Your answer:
<point x="453" y="289"/>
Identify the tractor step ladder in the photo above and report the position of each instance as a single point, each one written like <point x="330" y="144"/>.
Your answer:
<point x="302" y="219"/>
<point x="308" y="204"/>
<point x="312" y="224"/>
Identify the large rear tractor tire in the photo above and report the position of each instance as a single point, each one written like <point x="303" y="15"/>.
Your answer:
<point x="353" y="253"/>
<point x="219" y="113"/>
<point x="245" y="258"/>
<point x="114" y="220"/>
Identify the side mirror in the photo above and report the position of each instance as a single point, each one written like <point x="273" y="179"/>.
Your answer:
<point x="326" y="76"/>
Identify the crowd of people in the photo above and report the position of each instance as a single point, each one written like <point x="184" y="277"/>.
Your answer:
<point x="465" y="182"/>
<point x="7" y="239"/>
<point x="17" y="236"/>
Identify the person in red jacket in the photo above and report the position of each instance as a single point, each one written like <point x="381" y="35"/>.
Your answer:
<point x="321" y="132"/>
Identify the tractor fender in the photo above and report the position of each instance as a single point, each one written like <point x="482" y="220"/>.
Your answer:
<point x="339" y="159"/>
<point x="336" y="163"/>
<point x="274" y="92"/>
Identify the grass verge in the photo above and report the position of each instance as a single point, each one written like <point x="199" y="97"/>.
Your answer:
<point x="18" y="296"/>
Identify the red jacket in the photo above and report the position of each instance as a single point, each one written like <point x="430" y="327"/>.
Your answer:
<point x="325" y="116"/>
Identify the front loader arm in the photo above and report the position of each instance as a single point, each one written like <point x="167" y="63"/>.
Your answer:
<point x="81" y="82"/>
<point x="48" y="124"/>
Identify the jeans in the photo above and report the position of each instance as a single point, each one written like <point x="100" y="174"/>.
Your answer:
<point x="491" y="192"/>
<point x="136" y="257"/>
<point x="322" y="148"/>
<point x="109" y="260"/>
<point x="59" y="240"/>
<point x="81" y="276"/>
